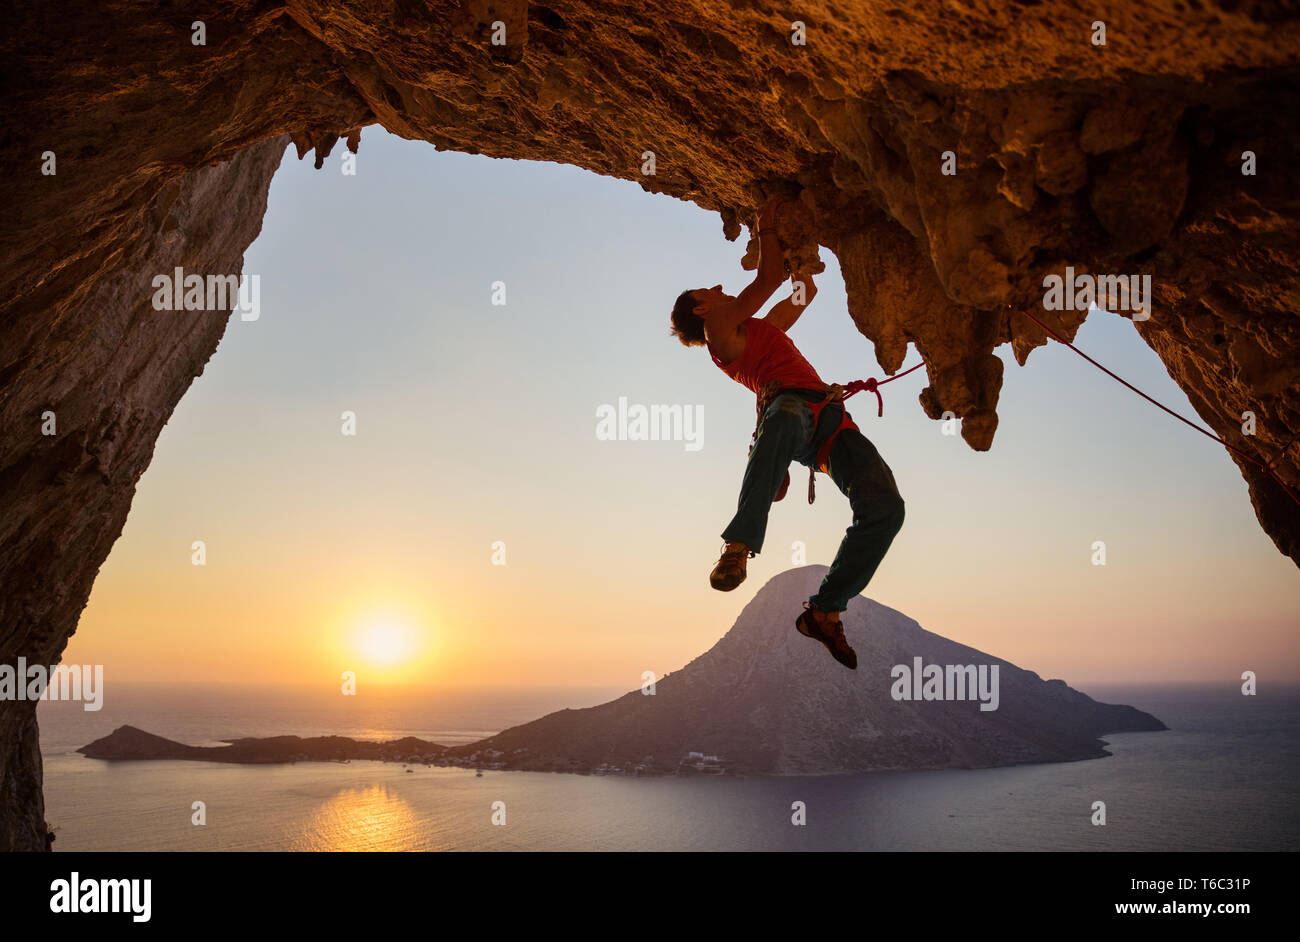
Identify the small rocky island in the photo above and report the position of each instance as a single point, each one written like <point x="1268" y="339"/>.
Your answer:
<point x="762" y="701"/>
<point x="128" y="742"/>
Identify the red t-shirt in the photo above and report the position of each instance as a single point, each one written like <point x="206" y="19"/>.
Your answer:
<point x="769" y="355"/>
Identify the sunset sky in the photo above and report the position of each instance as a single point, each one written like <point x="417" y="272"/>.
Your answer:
<point x="476" y="423"/>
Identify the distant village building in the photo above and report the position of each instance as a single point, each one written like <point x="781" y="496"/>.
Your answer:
<point x="703" y="762"/>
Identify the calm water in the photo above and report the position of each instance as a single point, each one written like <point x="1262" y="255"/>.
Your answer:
<point x="1223" y="778"/>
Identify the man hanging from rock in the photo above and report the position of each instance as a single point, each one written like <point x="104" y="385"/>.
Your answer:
<point x="800" y="418"/>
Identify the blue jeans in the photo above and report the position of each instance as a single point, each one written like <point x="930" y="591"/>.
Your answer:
<point x="786" y="434"/>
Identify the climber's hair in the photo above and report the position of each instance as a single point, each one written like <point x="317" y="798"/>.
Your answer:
<point x="688" y="327"/>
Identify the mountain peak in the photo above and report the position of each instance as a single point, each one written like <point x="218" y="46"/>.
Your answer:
<point x="772" y="701"/>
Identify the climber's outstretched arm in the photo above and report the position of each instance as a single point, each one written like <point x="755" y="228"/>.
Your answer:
<point x="785" y="313"/>
<point x="727" y="317"/>
<point x="771" y="263"/>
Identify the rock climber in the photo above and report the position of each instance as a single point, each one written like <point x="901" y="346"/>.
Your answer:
<point x="800" y="418"/>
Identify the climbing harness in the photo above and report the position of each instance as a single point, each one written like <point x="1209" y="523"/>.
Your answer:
<point x="835" y="395"/>
<point x="1268" y="468"/>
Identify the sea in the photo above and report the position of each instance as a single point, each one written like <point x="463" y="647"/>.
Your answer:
<point x="1223" y="777"/>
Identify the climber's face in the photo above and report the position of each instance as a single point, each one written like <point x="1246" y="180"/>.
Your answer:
<point x="709" y="297"/>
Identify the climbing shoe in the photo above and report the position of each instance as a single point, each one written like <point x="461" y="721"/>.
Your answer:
<point x="827" y="628"/>
<point x="730" y="570"/>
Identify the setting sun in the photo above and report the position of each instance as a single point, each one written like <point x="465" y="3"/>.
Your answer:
<point x="386" y="642"/>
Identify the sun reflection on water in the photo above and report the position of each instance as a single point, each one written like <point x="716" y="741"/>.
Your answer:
<point x="373" y="817"/>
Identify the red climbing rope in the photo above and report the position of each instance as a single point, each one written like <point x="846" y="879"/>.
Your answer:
<point x="873" y="385"/>
<point x="1208" y="434"/>
<point x="837" y="395"/>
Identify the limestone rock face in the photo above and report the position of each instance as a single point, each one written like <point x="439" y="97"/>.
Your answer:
<point x="104" y="371"/>
<point x="1122" y="158"/>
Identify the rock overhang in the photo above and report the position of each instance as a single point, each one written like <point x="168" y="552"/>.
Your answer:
<point x="1122" y="158"/>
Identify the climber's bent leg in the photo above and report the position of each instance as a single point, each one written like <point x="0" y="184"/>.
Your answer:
<point x="858" y="470"/>
<point x="784" y="432"/>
